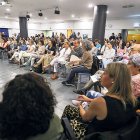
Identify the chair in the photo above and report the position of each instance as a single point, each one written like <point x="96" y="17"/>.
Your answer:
<point x="128" y="132"/>
<point x="3" y="54"/>
<point x="62" y="70"/>
<point x="83" y="78"/>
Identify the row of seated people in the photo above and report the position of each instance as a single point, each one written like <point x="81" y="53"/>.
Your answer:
<point x="28" y="104"/>
<point x="48" y="55"/>
<point x="83" y="50"/>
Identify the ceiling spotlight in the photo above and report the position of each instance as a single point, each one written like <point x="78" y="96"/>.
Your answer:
<point x="72" y="15"/>
<point x="2" y="3"/>
<point x="8" y="10"/>
<point x="45" y="18"/>
<point x="31" y="14"/>
<point x="107" y="12"/>
<point x="28" y="16"/>
<point x="40" y="13"/>
<point x="57" y="11"/>
<point x="90" y="5"/>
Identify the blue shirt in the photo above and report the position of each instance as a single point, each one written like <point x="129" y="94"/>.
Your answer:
<point x="98" y="46"/>
<point x="23" y="48"/>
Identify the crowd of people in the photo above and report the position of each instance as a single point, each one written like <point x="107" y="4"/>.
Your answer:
<point x="28" y="113"/>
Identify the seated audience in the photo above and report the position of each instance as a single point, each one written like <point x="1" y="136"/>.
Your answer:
<point x="60" y="58"/>
<point x="85" y="63"/>
<point x="108" y="55"/>
<point x="36" y="55"/>
<point x="134" y="66"/>
<point x="21" y="49"/>
<point x="97" y="44"/>
<point x="48" y="57"/>
<point x="29" y="52"/>
<point x="103" y="112"/>
<point x="76" y="49"/>
<point x="27" y="110"/>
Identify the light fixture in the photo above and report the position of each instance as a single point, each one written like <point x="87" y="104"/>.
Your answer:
<point x="72" y="15"/>
<point x="40" y="13"/>
<point x="2" y="3"/>
<point x="6" y="16"/>
<point x="107" y="12"/>
<point x="8" y="10"/>
<point x="45" y="18"/>
<point x="90" y="5"/>
<point x="31" y="14"/>
<point x="28" y="16"/>
<point x="57" y="11"/>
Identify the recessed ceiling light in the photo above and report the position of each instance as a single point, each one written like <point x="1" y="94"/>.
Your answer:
<point x="45" y="18"/>
<point x="8" y="10"/>
<point x="3" y="3"/>
<point x="31" y="14"/>
<point x="6" y="16"/>
<point x="72" y="15"/>
<point x="90" y="5"/>
<point x="107" y="12"/>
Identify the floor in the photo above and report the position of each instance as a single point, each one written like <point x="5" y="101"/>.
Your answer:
<point x="63" y="94"/>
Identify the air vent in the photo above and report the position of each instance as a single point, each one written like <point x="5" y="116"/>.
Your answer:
<point x="128" y="6"/>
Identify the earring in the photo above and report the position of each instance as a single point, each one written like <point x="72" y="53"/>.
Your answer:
<point x="112" y="82"/>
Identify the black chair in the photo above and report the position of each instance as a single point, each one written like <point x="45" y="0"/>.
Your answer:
<point x="95" y="65"/>
<point x="128" y="132"/>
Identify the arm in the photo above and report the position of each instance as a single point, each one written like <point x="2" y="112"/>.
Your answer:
<point x="84" y="98"/>
<point x="91" y="113"/>
<point x="84" y="58"/>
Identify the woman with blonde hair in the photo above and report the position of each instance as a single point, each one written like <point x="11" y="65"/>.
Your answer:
<point x="107" y="113"/>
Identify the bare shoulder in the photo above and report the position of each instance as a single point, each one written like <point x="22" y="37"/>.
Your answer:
<point x="97" y="102"/>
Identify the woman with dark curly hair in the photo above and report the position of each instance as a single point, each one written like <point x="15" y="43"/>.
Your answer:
<point x="27" y="110"/>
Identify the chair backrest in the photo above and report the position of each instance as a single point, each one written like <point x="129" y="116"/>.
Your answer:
<point x="131" y="131"/>
<point x="68" y="129"/>
<point x="128" y="132"/>
<point x="95" y="65"/>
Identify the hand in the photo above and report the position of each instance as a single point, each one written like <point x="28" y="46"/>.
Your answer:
<point x="83" y="98"/>
<point x="71" y="62"/>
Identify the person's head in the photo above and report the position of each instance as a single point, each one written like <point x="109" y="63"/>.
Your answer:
<point x="109" y="45"/>
<point x="23" y="42"/>
<point x="27" y="107"/>
<point x="86" y="45"/>
<point x="135" y="49"/>
<point x="134" y="64"/>
<point x="96" y="41"/>
<point x="41" y="42"/>
<point x="76" y="43"/>
<point x="117" y="79"/>
<point x="49" y="43"/>
<point x="31" y="42"/>
<point x="105" y="43"/>
<point x="128" y="45"/>
<point x="113" y="34"/>
<point x="66" y="44"/>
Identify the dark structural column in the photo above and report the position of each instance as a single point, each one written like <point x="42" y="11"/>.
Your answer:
<point x="23" y="27"/>
<point x="99" y="23"/>
<point x="124" y="34"/>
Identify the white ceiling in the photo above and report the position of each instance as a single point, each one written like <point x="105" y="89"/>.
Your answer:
<point x="68" y="7"/>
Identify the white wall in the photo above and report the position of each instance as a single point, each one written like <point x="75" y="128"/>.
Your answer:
<point x="84" y="27"/>
<point x="13" y="27"/>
